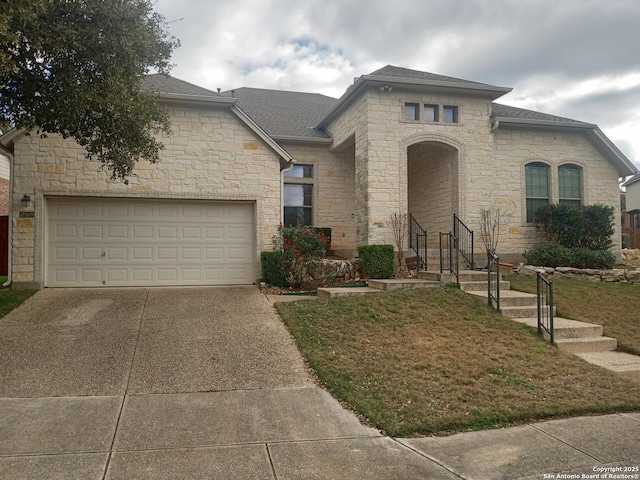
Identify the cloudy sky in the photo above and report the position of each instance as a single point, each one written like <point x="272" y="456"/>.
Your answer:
<point x="574" y="58"/>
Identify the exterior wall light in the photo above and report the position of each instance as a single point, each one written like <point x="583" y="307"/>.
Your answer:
<point x="26" y="200"/>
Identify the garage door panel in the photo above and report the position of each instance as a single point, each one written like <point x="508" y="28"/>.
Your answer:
<point x="65" y="231"/>
<point x="142" y="232"/>
<point x="113" y="242"/>
<point x="91" y="232"/>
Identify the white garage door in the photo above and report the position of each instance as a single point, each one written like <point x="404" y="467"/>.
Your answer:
<point x="126" y="242"/>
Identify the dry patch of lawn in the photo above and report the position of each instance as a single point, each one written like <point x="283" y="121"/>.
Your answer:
<point x="615" y="306"/>
<point x="439" y="361"/>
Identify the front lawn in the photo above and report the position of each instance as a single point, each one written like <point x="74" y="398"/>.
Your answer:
<point x="10" y="299"/>
<point x="615" y="306"/>
<point x="439" y="361"/>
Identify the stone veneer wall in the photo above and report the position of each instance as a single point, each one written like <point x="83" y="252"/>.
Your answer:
<point x="333" y="190"/>
<point x="210" y="155"/>
<point x="382" y="137"/>
<point x="514" y="149"/>
<point x="4" y="196"/>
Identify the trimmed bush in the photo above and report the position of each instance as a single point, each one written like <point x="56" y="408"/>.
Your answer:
<point x="586" y="226"/>
<point x="377" y="260"/>
<point x="555" y="255"/>
<point x="273" y="269"/>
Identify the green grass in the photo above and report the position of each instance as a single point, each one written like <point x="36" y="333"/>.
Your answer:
<point x="10" y="299"/>
<point x="615" y="306"/>
<point x="431" y="361"/>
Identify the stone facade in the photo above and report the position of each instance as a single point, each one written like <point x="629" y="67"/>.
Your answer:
<point x="436" y="169"/>
<point x="210" y="155"/>
<point x="333" y="191"/>
<point x="513" y="149"/>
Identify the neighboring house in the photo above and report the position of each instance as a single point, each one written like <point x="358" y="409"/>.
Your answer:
<point x="631" y="218"/>
<point x="632" y="187"/>
<point x="240" y="162"/>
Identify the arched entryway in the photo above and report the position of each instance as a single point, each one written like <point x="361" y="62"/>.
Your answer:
<point x="433" y="186"/>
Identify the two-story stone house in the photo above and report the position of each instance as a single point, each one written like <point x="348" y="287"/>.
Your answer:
<point x="239" y="163"/>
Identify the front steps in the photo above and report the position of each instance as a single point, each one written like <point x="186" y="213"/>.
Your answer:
<point x="580" y="338"/>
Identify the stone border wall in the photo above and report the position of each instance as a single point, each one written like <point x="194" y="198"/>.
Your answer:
<point x="615" y="275"/>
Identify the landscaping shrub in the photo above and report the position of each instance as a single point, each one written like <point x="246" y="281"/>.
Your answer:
<point x="555" y="255"/>
<point x="300" y="249"/>
<point x="377" y="260"/>
<point x="272" y="269"/>
<point x="586" y="226"/>
<point x="327" y="234"/>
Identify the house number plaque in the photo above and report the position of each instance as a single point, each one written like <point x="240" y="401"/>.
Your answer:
<point x="27" y="214"/>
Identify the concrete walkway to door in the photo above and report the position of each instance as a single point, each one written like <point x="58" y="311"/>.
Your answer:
<point x="195" y="383"/>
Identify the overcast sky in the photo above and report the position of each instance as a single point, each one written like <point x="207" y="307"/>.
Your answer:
<point x="574" y="58"/>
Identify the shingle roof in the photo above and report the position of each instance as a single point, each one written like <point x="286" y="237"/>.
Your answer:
<point x="392" y="71"/>
<point x="161" y="83"/>
<point x="284" y="114"/>
<point x="500" y="110"/>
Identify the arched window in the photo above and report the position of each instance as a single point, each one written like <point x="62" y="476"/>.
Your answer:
<point x="569" y="184"/>
<point x="537" y="187"/>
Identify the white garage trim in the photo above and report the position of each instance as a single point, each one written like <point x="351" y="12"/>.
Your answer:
<point x="92" y="242"/>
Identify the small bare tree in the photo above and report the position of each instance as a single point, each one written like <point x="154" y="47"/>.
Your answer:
<point x="400" y="226"/>
<point x="492" y="222"/>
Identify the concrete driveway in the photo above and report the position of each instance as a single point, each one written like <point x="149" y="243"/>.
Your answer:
<point x="172" y="383"/>
<point x="206" y="383"/>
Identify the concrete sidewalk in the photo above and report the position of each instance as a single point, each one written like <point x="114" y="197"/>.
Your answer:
<point x="206" y="383"/>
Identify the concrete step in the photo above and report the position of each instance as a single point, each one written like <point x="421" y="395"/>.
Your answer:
<point x="586" y="345"/>
<point x="402" y="284"/>
<point x="464" y="276"/>
<point x="509" y="298"/>
<point x="482" y="286"/>
<point x="516" y="312"/>
<point x="563" y="328"/>
<point x="621" y="363"/>
<point x="332" y="292"/>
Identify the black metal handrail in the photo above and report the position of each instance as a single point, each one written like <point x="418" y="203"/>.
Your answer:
<point x="544" y="290"/>
<point x="449" y="255"/>
<point x="418" y="242"/>
<point x="493" y="280"/>
<point x="464" y="240"/>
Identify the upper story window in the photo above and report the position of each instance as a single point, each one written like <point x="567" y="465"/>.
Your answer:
<point x="569" y="184"/>
<point x="431" y="113"/>
<point x="300" y="171"/>
<point x="411" y="111"/>
<point x="537" y="187"/>
<point x="450" y="114"/>
<point x="298" y="196"/>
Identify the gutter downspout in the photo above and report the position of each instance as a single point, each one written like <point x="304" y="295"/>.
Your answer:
<point x="10" y="229"/>
<point x="495" y="125"/>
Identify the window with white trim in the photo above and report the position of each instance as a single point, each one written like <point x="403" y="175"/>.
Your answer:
<point x="536" y="186"/>
<point x="569" y="184"/>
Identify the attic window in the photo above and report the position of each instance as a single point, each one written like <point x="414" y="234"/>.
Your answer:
<point x="411" y="111"/>
<point x="431" y="113"/>
<point x="450" y="114"/>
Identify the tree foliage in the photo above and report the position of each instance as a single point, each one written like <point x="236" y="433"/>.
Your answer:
<point x="74" y="67"/>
